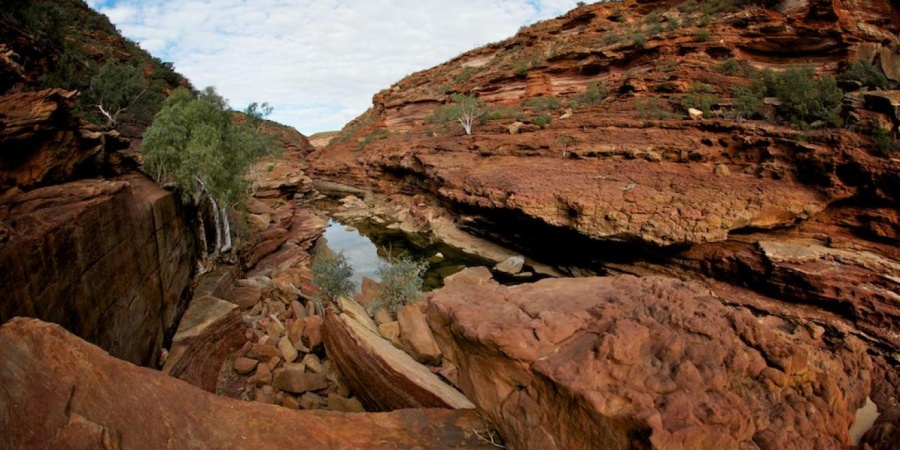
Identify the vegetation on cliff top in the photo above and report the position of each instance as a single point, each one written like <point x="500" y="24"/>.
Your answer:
<point x="65" y="44"/>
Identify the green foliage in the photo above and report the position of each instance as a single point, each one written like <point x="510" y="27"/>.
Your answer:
<point x="401" y="282"/>
<point x="866" y="73"/>
<point x="580" y="4"/>
<point x="195" y="144"/>
<point x="730" y="66"/>
<point x="542" y="104"/>
<point x="672" y="24"/>
<point x="113" y="89"/>
<point x="639" y="40"/>
<point x="651" y="108"/>
<point x="500" y="113"/>
<point x="610" y="38"/>
<point x="804" y="98"/>
<point x="464" y="109"/>
<point x="331" y="273"/>
<point x="376" y="135"/>
<point x="701" y="36"/>
<point x="595" y="93"/>
<point x="542" y="120"/>
<point x="884" y="142"/>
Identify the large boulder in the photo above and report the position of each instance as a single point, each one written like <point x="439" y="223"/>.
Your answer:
<point x="384" y="377"/>
<point x="626" y="362"/>
<point x="109" y="260"/>
<point x="61" y="392"/>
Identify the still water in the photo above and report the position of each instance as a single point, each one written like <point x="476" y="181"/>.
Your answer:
<point x="368" y="245"/>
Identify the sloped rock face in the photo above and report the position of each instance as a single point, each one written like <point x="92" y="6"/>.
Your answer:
<point x="628" y="362"/>
<point x="60" y="392"/>
<point x="109" y="259"/>
<point x="384" y="377"/>
<point x="42" y="142"/>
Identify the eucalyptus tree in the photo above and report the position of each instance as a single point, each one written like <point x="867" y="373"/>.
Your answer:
<point x="195" y="144"/>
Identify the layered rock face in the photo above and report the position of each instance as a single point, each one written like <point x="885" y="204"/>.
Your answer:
<point x="109" y="259"/>
<point x="590" y="158"/>
<point x="60" y="392"/>
<point x="626" y="362"/>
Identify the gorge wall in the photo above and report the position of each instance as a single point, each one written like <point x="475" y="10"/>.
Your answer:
<point x="85" y="241"/>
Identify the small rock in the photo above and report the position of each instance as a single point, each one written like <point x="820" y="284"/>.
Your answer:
<point x="438" y="257"/>
<point x="695" y="114"/>
<point x="274" y="363"/>
<point x="341" y="404"/>
<point x="244" y="366"/>
<point x="299" y="310"/>
<point x="263" y="352"/>
<point x="383" y="316"/>
<point x="512" y="265"/>
<point x="265" y="395"/>
<point x="263" y="375"/>
<point x="313" y="363"/>
<point x="515" y="127"/>
<point x="311" y="401"/>
<point x="310" y="309"/>
<point x="290" y="402"/>
<point x="297" y="382"/>
<point x="567" y="114"/>
<point x="245" y="297"/>
<point x="416" y="336"/>
<point x="312" y="332"/>
<point x="391" y="332"/>
<point x="721" y="170"/>
<point x="295" y="332"/>
<point x="288" y="352"/>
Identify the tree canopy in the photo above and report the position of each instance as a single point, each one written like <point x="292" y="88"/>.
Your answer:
<point x="195" y="144"/>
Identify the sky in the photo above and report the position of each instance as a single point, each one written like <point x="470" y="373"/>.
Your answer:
<point x="318" y="63"/>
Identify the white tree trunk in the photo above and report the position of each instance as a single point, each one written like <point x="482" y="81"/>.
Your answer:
<point x="227" y="229"/>
<point x="215" y="214"/>
<point x="204" y="249"/>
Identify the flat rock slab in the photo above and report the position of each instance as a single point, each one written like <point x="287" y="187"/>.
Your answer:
<point x="61" y="392"/>
<point x="660" y="203"/>
<point x="384" y="377"/>
<point x="625" y="362"/>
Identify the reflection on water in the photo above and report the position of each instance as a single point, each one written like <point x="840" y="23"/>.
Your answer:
<point x="361" y="253"/>
<point x="370" y="245"/>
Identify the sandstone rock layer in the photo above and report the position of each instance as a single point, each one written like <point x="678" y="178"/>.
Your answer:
<point x="628" y="362"/>
<point x="60" y="392"/>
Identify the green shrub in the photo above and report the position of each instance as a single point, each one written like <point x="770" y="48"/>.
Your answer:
<point x="611" y="38"/>
<point x="376" y="135"/>
<point x="804" y="99"/>
<point x="401" y="283"/>
<point x="541" y="104"/>
<point x="701" y="36"/>
<point x="639" y="40"/>
<point x="730" y="66"/>
<point x="884" y="142"/>
<point x="653" y="109"/>
<point x="595" y="93"/>
<point x="672" y="24"/>
<point x="542" y="120"/>
<point x="331" y="274"/>
<point x="865" y="73"/>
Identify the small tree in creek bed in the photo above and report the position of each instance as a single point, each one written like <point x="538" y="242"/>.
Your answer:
<point x="195" y="144"/>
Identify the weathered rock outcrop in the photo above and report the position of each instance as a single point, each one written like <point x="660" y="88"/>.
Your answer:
<point x="384" y="377"/>
<point x="60" y="392"/>
<point x="109" y="259"/>
<point x="628" y="362"/>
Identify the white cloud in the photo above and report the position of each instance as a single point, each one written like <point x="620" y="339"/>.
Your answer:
<point x="317" y="62"/>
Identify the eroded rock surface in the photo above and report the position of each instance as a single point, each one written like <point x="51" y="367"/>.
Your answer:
<point x="60" y="392"/>
<point x="628" y="362"/>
